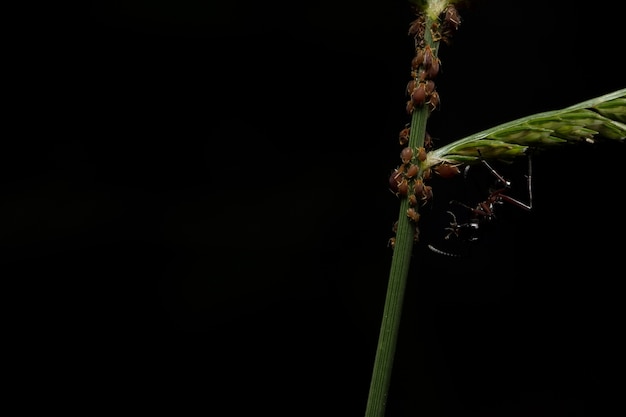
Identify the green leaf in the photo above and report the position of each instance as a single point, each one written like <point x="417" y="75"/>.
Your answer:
<point x="601" y="118"/>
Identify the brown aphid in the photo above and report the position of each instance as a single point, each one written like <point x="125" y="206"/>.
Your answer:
<point x="418" y="95"/>
<point x="406" y="155"/>
<point x="392" y="242"/>
<point x="428" y="141"/>
<point x="395" y="178"/>
<point x="417" y="60"/>
<point x="404" y="136"/>
<point x="429" y="87"/>
<point x="433" y="70"/>
<point x="418" y="188"/>
<point x="421" y="154"/>
<point x="410" y="86"/>
<point x="416" y="27"/>
<point x="415" y="63"/>
<point x="412" y="200"/>
<point x="446" y="170"/>
<point x="410" y="107"/>
<point x="412" y="171"/>
<point x="403" y="188"/>
<point x="428" y="193"/>
<point x="428" y="57"/>
<point x="434" y="30"/>
<point x="434" y="101"/>
<point x="413" y="215"/>
<point x="451" y="19"/>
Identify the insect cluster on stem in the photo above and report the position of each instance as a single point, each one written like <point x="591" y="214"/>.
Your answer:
<point x="408" y="179"/>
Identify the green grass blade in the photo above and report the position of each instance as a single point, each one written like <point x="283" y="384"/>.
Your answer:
<point x="601" y="118"/>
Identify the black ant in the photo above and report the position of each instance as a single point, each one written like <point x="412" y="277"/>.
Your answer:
<point x="484" y="211"/>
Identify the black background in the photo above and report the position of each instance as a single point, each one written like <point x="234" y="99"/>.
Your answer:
<point x="195" y="213"/>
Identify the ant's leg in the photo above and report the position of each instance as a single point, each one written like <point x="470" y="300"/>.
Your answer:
<point x="500" y="178"/>
<point x="460" y="204"/>
<point x="529" y="179"/>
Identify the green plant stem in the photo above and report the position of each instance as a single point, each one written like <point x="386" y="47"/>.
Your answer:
<point x="399" y="271"/>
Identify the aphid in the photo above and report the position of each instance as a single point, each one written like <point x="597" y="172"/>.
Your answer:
<point x="451" y="23"/>
<point x="415" y="63"/>
<point x="422" y="191"/>
<point x="410" y="86"/>
<point x="416" y="27"/>
<point x="446" y="170"/>
<point x="421" y="154"/>
<point x="406" y="155"/>
<point x="418" y="95"/>
<point x="392" y="242"/>
<point x="451" y="19"/>
<point x="404" y="135"/>
<point x="395" y="178"/>
<point x="413" y="200"/>
<point x="418" y="188"/>
<point x="429" y="87"/>
<point x="413" y="215"/>
<point x="427" y="194"/>
<point x="428" y="141"/>
<point x="428" y="57"/>
<point x="410" y="107"/>
<point x="403" y="188"/>
<point x="412" y="171"/>
<point x="434" y="30"/>
<point x="417" y="60"/>
<point x="433" y="101"/>
<point x="433" y="69"/>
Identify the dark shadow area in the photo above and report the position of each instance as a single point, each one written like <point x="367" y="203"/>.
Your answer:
<point x="195" y="214"/>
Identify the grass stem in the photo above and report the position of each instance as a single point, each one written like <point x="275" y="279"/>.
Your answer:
<point x="398" y="274"/>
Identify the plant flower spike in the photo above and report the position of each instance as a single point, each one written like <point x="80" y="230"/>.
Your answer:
<point x="601" y="118"/>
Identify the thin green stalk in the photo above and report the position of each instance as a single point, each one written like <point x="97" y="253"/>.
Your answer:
<point x="600" y="118"/>
<point x="399" y="271"/>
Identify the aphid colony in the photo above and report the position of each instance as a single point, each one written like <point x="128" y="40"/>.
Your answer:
<point x="407" y="179"/>
<point x="425" y="64"/>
